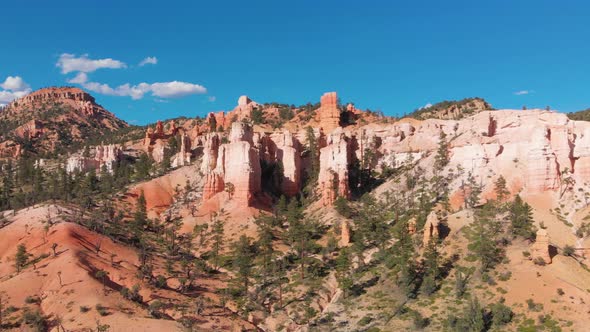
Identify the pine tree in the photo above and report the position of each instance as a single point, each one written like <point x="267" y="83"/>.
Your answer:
<point x="314" y="154"/>
<point x="217" y="237"/>
<point x="300" y="234"/>
<point x="521" y="219"/>
<point x="475" y="313"/>
<point x="21" y="258"/>
<point x="265" y="244"/>
<point x="243" y="260"/>
<point x="371" y="223"/>
<point x="475" y="190"/>
<point x="344" y="271"/>
<point x="140" y="218"/>
<point x="500" y="189"/>
<point x="406" y="257"/>
<point x="442" y="154"/>
<point x="143" y="167"/>
<point x="483" y="237"/>
<point x="432" y="270"/>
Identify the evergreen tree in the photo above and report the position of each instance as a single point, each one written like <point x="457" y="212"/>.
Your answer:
<point x="243" y="260"/>
<point x="501" y="189"/>
<point x="217" y="231"/>
<point x="371" y="223"/>
<point x="300" y="234"/>
<point x="265" y="244"/>
<point x="140" y="218"/>
<point x="442" y="154"/>
<point x="483" y="237"/>
<point x="344" y="271"/>
<point x="21" y="258"/>
<point x="314" y="155"/>
<point x="521" y="219"/>
<point x="431" y="266"/>
<point x="143" y="167"/>
<point x="475" y="189"/>
<point x="406" y="257"/>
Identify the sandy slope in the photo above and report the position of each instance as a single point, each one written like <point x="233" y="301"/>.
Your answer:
<point x="77" y="262"/>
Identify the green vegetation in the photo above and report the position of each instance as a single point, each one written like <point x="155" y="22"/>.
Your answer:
<point x="467" y="107"/>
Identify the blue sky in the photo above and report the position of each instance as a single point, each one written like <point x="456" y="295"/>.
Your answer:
<point x="393" y="56"/>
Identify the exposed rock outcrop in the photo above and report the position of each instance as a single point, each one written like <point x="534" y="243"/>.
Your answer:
<point x="182" y="157"/>
<point x="98" y="157"/>
<point x="329" y="113"/>
<point x="237" y="163"/>
<point x="540" y="249"/>
<point x="344" y="233"/>
<point x="335" y="158"/>
<point x="288" y="153"/>
<point x="430" y="229"/>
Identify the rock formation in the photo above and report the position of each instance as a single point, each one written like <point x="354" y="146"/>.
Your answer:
<point x="30" y="130"/>
<point x="542" y="168"/>
<point x="329" y="113"/>
<point x="98" y="157"/>
<point x="344" y="233"/>
<point x="182" y="157"/>
<point x="237" y="163"/>
<point x="288" y="153"/>
<point x="540" y="249"/>
<point x="335" y="158"/>
<point x="430" y="229"/>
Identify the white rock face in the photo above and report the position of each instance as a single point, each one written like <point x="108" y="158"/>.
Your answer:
<point x="530" y="149"/>
<point x="238" y="163"/>
<point x="334" y="160"/>
<point x="100" y="156"/>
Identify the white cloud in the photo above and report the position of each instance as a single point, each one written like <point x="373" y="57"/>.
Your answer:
<point x="80" y="78"/>
<point x="172" y="89"/>
<point x="83" y="65"/>
<point x="13" y="87"/>
<point x="15" y="83"/>
<point x="150" y="60"/>
<point x="523" y="92"/>
<point x="176" y="89"/>
<point x="70" y="63"/>
<point x="212" y="98"/>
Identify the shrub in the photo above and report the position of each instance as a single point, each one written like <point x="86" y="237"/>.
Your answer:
<point x="560" y="292"/>
<point x="568" y="250"/>
<point x="32" y="299"/>
<point x="132" y="294"/>
<point x="365" y="320"/>
<point x="101" y="310"/>
<point x="35" y="319"/>
<point x="84" y="309"/>
<point x="155" y="308"/>
<point x="419" y="321"/>
<point x="539" y="261"/>
<point x="501" y="314"/>
<point x="161" y="282"/>
<point x="341" y="206"/>
<point x="534" y="306"/>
